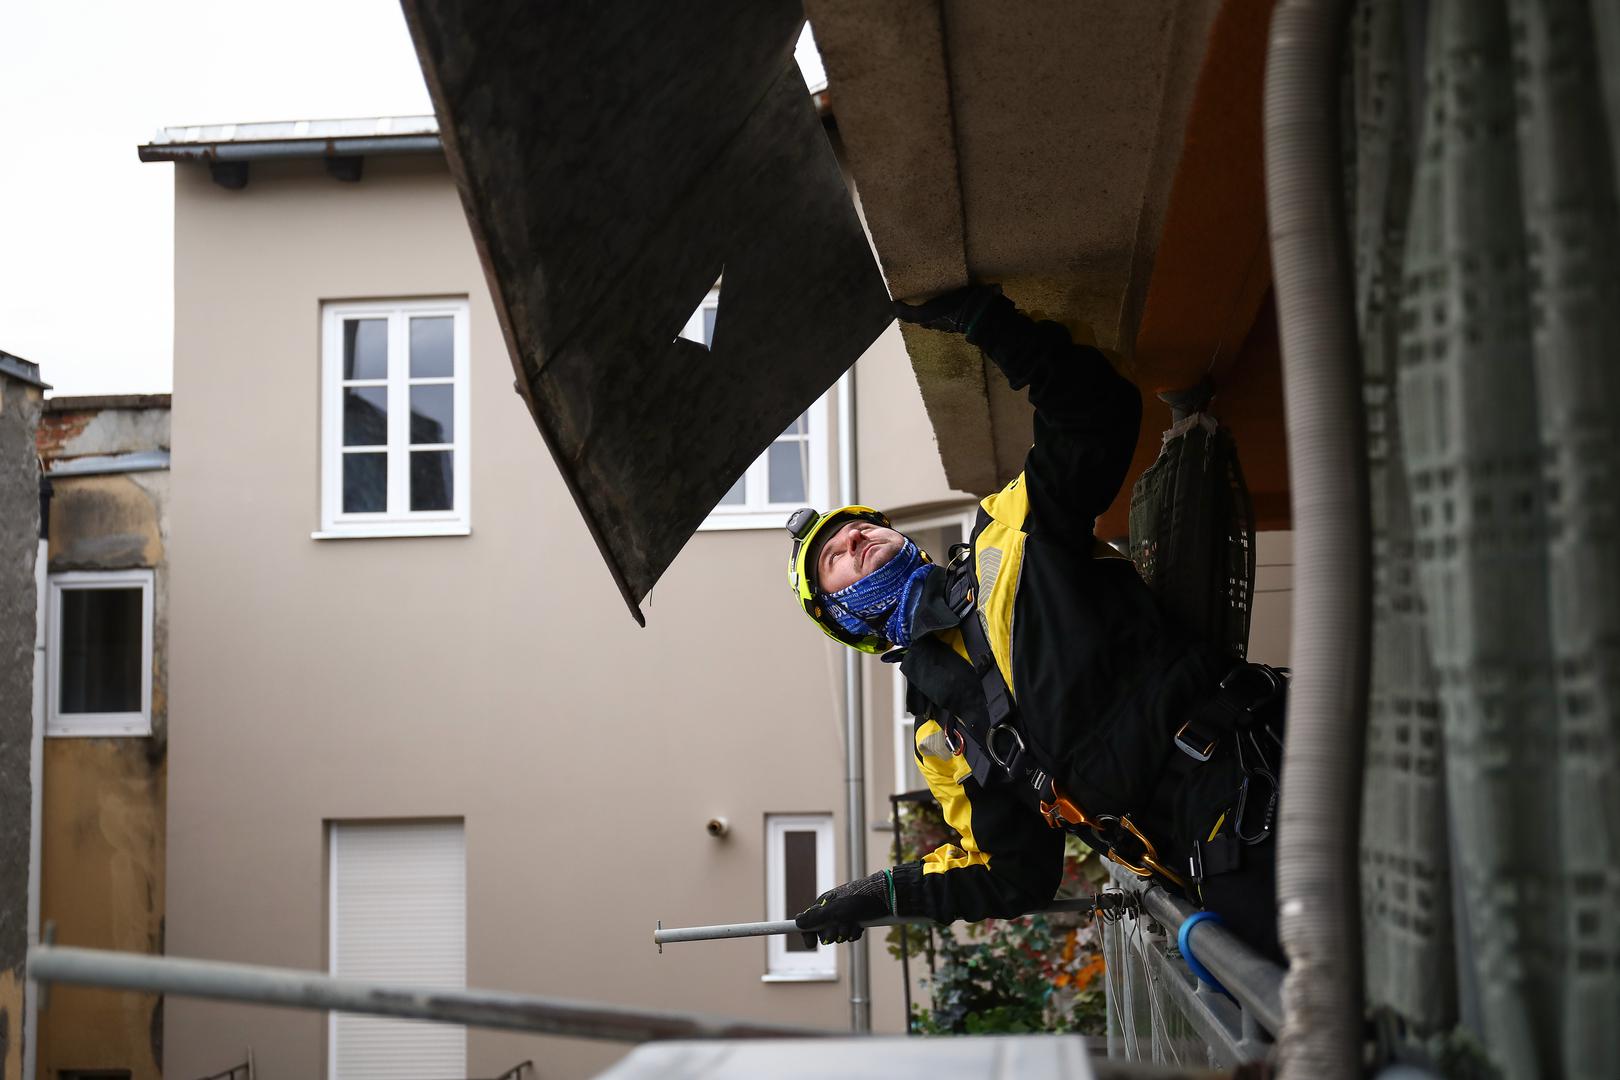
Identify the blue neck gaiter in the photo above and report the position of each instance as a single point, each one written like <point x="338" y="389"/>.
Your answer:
<point x="884" y="600"/>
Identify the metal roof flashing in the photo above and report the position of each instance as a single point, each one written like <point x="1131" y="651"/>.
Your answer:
<point x="22" y="370"/>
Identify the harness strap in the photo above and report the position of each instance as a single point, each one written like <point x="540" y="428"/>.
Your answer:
<point x="996" y="738"/>
<point x="1235" y="706"/>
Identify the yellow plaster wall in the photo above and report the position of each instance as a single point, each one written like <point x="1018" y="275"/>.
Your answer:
<point x="11" y="1024"/>
<point x="104" y="817"/>
<point x="102" y="886"/>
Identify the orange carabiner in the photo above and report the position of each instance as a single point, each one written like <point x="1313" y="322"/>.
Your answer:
<point x="1062" y="810"/>
<point x="1150" y="857"/>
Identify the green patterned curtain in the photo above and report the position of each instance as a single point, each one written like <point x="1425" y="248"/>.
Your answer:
<point x="1486" y="221"/>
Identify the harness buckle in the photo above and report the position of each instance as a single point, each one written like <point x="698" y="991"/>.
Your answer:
<point x="990" y="746"/>
<point x="1202" y="746"/>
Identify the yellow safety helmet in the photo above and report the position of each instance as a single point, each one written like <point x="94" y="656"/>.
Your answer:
<point x="806" y="526"/>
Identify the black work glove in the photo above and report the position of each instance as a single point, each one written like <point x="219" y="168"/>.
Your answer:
<point x="954" y="312"/>
<point x="838" y="913"/>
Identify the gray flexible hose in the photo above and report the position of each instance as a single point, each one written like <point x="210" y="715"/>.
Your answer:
<point x="1320" y="812"/>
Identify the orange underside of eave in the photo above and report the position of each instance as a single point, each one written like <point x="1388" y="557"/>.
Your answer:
<point x="1208" y="305"/>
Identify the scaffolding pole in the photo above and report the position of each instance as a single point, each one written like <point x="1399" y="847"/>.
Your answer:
<point x="673" y="934"/>
<point x="51" y="964"/>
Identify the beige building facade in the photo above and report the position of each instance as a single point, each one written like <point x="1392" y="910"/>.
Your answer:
<point x="410" y="677"/>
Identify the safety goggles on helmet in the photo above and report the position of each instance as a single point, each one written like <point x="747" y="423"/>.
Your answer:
<point x="808" y="529"/>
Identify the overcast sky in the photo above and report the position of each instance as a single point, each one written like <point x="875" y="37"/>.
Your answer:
<point x="86" y="230"/>
<point x="87" y="268"/>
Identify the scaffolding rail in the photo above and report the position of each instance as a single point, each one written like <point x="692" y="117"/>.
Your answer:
<point x="672" y="934"/>
<point x="54" y="964"/>
<point x="1151" y="985"/>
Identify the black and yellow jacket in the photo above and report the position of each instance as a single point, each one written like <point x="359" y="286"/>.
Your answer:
<point x="1095" y="669"/>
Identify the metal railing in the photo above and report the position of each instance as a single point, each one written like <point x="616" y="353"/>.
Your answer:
<point x="243" y="1071"/>
<point x="1150" y="985"/>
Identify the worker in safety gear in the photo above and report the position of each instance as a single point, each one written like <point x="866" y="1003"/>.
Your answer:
<point x="1052" y="692"/>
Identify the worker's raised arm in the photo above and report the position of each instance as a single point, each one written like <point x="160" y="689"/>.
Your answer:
<point x="1087" y="415"/>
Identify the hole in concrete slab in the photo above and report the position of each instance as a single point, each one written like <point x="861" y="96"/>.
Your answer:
<point x="701" y="323"/>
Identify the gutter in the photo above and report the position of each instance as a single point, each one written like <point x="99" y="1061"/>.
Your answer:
<point x="103" y="464"/>
<point x="267" y="150"/>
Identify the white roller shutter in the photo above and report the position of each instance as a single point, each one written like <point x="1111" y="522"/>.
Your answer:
<point x="399" y="914"/>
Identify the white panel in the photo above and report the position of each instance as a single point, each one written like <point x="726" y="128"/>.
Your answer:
<point x="399" y="914"/>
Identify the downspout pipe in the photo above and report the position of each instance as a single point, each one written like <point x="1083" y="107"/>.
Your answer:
<point x="36" y="771"/>
<point x="860" y="974"/>
<point x="1319" y="819"/>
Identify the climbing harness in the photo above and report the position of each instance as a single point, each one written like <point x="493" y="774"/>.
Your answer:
<point x="1233" y="711"/>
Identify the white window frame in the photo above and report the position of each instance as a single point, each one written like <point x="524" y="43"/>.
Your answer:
<point x="335" y="523"/>
<point x="821" y="964"/>
<point x="756" y="511"/>
<point x="905" y="733"/>
<point x="69" y="725"/>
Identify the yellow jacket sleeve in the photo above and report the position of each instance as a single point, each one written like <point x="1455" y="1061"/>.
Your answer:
<point x="1007" y="861"/>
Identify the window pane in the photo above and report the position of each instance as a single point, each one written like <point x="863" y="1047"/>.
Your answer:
<point x="431" y="484"/>
<point x="432" y="414"/>
<point x="101" y="651"/>
<point x="432" y="348"/>
<point x="798" y="880"/>
<point x="799" y="426"/>
<point x="365" y="348"/>
<point x="737" y="495"/>
<point x="789" y="471"/>
<point x="709" y="315"/>
<point x="365" y="416"/>
<point x="365" y="483"/>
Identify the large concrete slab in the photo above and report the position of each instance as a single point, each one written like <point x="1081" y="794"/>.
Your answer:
<point x="611" y="174"/>
<point x="1030" y="144"/>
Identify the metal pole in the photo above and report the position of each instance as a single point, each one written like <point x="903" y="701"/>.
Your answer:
<point x="860" y="977"/>
<point x="1253" y="980"/>
<point x="673" y="934"/>
<point x="905" y="936"/>
<point x="311" y="990"/>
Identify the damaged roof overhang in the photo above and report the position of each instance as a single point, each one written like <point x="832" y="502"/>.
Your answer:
<point x="614" y="159"/>
<point x="1101" y="160"/>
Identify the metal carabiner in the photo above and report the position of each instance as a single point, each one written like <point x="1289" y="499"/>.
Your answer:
<point x="1063" y="810"/>
<point x="990" y="745"/>
<point x="1273" y="684"/>
<point x="1243" y="803"/>
<point x="1149" y="857"/>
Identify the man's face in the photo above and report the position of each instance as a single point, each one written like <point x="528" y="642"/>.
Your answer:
<point x="854" y="551"/>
